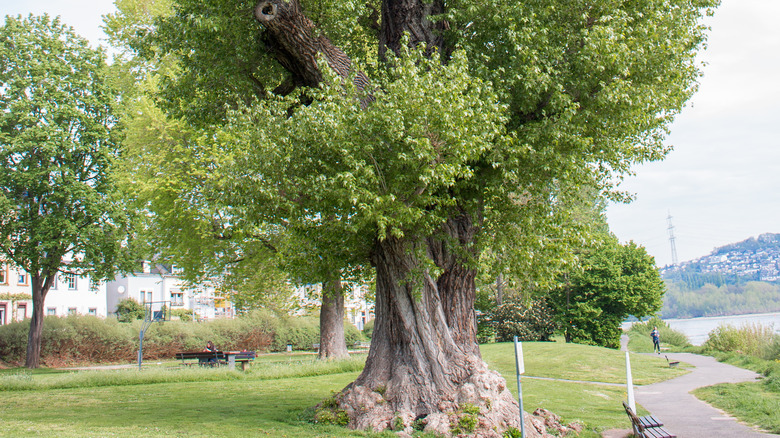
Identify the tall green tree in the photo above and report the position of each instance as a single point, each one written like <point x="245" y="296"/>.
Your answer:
<point x="475" y="122"/>
<point x="58" y="212"/>
<point x="612" y="282"/>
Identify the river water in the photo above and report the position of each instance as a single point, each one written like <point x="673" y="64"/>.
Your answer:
<point x="697" y="329"/>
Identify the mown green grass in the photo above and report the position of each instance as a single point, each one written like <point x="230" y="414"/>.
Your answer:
<point x="751" y="402"/>
<point x="275" y="396"/>
<point x="579" y="362"/>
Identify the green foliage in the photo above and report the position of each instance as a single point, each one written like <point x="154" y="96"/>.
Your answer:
<point x="183" y="315"/>
<point x="750" y="339"/>
<point x="129" y="310"/>
<point x="368" y="329"/>
<point x="614" y="281"/>
<point x="714" y="299"/>
<point x="329" y="412"/>
<point x="529" y="320"/>
<point x="78" y="339"/>
<point x="465" y="419"/>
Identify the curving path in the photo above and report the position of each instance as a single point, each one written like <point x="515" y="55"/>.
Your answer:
<point x="688" y="417"/>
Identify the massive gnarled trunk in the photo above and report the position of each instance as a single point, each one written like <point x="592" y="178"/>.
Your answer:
<point x="424" y="368"/>
<point x="332" y="343"/>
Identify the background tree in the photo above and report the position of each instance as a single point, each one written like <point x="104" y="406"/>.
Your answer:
<point x="613" y="281"/>
<point x="58" y="212"/>
<point x="432" y="154"/>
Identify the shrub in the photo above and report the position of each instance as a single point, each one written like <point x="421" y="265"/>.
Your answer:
<point x="87" y="339"/>
<point x="184" y="315"/>
<point x="129" y="310"/>
<point x="368" y="329"/>
<point x="529" y="321"/>
<point x="750" y="339"/>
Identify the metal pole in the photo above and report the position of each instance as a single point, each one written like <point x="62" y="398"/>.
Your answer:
<point x="520" y="370"/>
<point x="140" y="348"/>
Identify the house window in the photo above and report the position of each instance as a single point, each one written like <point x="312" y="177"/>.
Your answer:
<point x="3" y="274"/>
<point x="55" y="281"/>
<point x="51" y="311"/>
<point x="72" y="311"/>
<point x="146" y="296"/>
<point x="177" y="299"/>
<point x="22" y="278"/>
<point x="92" y="311"/>
<point x="175" y="270"/>
<point x="21" y="311"/>
<point x="71" y="279"/>
<point x="2" y="314"/>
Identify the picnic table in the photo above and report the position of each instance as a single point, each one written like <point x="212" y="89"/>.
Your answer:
<point x="217" y="358"/>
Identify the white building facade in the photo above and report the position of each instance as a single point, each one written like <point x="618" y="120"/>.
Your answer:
<point x="72" y="294"/>
<point x="157" y="283"/>
<point x="69" y="295"/>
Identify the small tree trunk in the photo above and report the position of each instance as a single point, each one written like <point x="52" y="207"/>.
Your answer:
<point x="34" y="337"/>
<point x="500" y="289"/>
<point x="332" y="341"/>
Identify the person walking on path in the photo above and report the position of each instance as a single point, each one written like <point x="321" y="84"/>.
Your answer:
<point x="656" y="340"/>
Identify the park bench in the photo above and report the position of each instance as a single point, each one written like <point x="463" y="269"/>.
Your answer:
<point x="217" y="358"/>
<point x="672" y="363"/>
<point x="646" y="427"/>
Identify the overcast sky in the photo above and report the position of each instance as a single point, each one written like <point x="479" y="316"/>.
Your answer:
<point x="721" y="184"/>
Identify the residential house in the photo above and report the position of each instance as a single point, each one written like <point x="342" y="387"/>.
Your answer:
<point x="70" y="294"/>
<point x="161" y="284"/>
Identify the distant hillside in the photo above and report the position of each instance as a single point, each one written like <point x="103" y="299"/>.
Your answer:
<point x="754" y="259"/>
<point x="738" y="278"/>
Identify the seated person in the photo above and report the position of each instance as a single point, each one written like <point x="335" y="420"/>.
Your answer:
<point x="211" y="361"/>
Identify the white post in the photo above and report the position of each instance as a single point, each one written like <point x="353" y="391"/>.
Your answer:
<point x="630" y="385"/>
<point x="520" y="370"/>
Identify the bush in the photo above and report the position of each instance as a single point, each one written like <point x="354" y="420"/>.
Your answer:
<point x="181" y="315"/>
<point x="129" y="310"/>
<point x="750" y="339"/>
<point x="529" y="321"/>
<point x="368" y="329"/>
<point x="87" y="339"/>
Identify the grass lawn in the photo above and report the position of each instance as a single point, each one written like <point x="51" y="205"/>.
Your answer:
<point x="751" y="402"/>
<point x="273" y="397"/>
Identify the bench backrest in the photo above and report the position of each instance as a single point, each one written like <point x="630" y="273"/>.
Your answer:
<point x="634" y="419"/>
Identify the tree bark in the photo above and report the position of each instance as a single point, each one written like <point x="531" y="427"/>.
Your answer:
<point x="35" y="335"/>
<point x="424" y="369"/>
<point x="332" y="340"/>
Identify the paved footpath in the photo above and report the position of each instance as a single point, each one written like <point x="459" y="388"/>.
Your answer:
<point x="688" y="417"/>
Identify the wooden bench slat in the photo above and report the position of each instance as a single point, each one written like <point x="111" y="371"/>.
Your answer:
<point x="650" y="421"/>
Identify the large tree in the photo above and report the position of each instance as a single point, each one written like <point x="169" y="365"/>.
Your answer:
<point x="421" y="131"/>
<point x="58" y="212"/>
